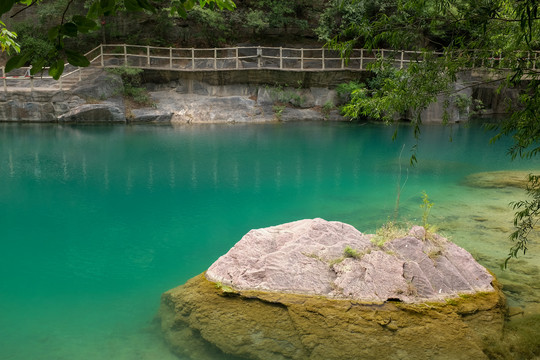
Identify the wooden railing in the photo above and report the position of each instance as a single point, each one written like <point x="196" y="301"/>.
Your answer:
<point x="291" y="59"/>
<point x="247" y="57"/>
<point x="261" y="57"/>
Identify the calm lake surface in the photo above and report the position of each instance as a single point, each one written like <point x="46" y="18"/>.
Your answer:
<point x="98" y="221"/>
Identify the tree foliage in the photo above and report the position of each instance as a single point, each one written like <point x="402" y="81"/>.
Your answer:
<point x="8" y="38"/>
<point x="346" y="18"/>
<point x="504" y="35"/>
<point x="526" y="218"/>
<point x="70" y="26"/>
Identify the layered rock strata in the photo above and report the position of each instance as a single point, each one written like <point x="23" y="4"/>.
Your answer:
<point x="314" y="289"/>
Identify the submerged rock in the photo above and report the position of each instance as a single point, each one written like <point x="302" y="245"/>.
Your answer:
<point x="498" y="179"/>
<point x="314" y="289"/>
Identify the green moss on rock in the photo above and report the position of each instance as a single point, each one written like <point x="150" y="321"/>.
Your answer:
<point x="271" y="325"/>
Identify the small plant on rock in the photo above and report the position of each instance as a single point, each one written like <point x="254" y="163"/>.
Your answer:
<point x="224" y="288"/>
<point x="327" y="108"/>
<point x="132" y="80"/>
<point x="350" y="252"/>
<point x="387" y="232"/>
<point x="426" y="207"/>
<point x="278" y="111"/>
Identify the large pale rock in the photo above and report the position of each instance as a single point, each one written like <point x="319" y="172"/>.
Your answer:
<point x="307" y="257"/>
<point x="112" y="111"/>
<point x="314" y="289"/>
<point x="100" y="86"/>
<point x="35" y="106"/>
<point x="192" y="108"/>
<point x="150" y="116"/>
<point x="14" y="110"/>
<point x="294" y="114"/>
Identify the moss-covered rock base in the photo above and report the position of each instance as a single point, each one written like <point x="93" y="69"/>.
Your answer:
<point x="201" y="318"/>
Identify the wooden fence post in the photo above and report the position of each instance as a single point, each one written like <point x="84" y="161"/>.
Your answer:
<point x="259" y="55"/>
<point x="102" y="57"/>
<point x="125" y="55"/>
<point x="322" y="55"/>
<point x="192" y="59"/>
<point x="361" y="59"/>
<point x="302" y="58"/>
<point x="280" y="57"/>
<point x="4" y="78"/>
<point x="401" y="63"/>
<point x="215" y="59"/>
<point x="148" y="55"/>
<point x="170" y="57"/>
<point x="237" y="60"/>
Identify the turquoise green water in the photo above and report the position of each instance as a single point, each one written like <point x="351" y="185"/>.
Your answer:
<point x="97" y="221"/>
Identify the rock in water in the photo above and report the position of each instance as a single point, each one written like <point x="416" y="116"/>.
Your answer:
<point x="314" y="289"/>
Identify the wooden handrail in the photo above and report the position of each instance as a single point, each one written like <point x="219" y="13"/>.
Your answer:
<point x="277" y="58"/>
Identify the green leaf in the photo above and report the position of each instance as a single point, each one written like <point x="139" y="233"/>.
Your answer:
<point x="84" y="24"/>
<point x="53" y="33"/>
<point x="95" y="11"/>
<point x="56" y="69"/>
<point x="107" y="6"/>
<point x="226" y="4"/>
<point x="17" y="61"/>
<point x="146" y="5"/>
<point x="181" y="11"/>
<point x="188" y="4"/>
<point x="6" y="5"/>
<point x="132" y="5"/>
<point x="69" y="29"/>
<point x="37" y="67"/>
<point x="76" y="59"/>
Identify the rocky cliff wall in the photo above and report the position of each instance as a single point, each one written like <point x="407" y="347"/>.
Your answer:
<point x="225" y="96"/>
<point x="197" y="98"/>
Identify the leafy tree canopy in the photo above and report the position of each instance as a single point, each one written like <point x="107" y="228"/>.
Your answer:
<point x="504" y="35"/>
<point x="71" y="26"/>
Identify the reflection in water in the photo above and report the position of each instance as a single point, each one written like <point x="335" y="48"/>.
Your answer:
<point x="193" y="175"/>
<point x="83" y="168"/>
<point x="10" y="162"/>
<point x="65" y="166"/>
<point x="106" y="177"/>
<point x="37" y="166"/>
<point x="257" y="184"/>
<point x="150" y="176"/>
<point x="172" y="175"/>
<point x="129" y="180"/>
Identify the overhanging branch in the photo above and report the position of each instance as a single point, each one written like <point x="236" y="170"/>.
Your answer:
<point x="24" y="8"/>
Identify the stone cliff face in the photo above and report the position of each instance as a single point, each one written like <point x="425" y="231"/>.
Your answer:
<point x="216" y="97"/>
<point x="314" y="289"/>
<point x="98" y="99"/>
